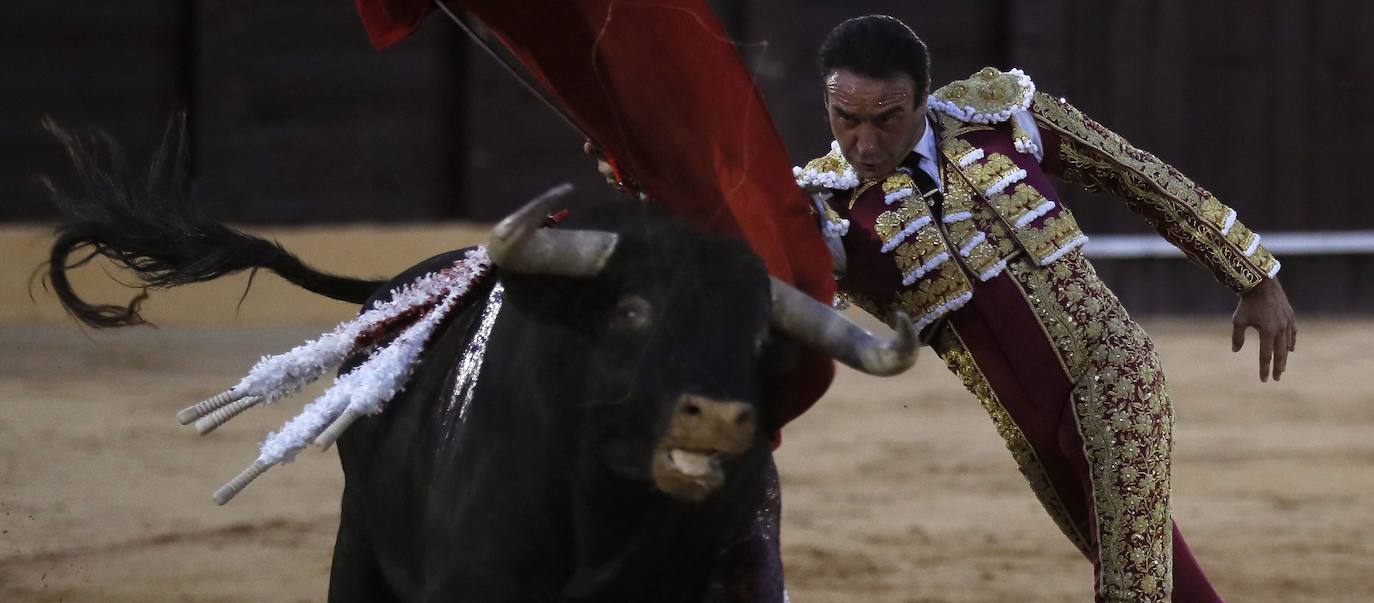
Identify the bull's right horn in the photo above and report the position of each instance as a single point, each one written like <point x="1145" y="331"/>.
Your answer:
<point x="520" y="244"/>
<point x="820" y="327"/>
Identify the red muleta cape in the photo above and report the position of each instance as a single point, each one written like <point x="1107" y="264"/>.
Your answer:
<point x="662" y="91"/>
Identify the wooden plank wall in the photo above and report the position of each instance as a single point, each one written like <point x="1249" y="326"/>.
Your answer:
<point x="113" y="64"/>
<point x="297" y="119"/>
<point x="1264" y="103"/>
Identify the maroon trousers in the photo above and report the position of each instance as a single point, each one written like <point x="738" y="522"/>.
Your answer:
<point x="1004" y="335"/>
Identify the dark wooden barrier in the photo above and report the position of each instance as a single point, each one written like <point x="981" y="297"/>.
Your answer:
<point x="296" y="119"/>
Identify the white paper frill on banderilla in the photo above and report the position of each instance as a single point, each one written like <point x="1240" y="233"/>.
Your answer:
<point x="415" y="309"/>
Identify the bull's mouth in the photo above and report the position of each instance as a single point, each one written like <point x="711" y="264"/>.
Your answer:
<point x="690" y="475"/>
<point x="688" y="463"/>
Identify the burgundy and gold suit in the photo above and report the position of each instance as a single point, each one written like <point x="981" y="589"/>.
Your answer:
<point x="996" y="283"/>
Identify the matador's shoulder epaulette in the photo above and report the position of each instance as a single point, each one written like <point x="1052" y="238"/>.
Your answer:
<point x="989" y="96"/>
<point x="829" y="171"/>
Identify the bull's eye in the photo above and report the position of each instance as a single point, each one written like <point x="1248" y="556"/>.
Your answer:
<point x="632" y="312"/>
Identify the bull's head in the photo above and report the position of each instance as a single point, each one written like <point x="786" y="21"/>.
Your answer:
<point x="682" y="333"/>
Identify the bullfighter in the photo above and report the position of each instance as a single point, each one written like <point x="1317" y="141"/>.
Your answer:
<point x="940" y="204"/>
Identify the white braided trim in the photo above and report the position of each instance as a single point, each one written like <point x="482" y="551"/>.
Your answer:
<point x="925" y="268"/>
<point x="362" y="390"/>
<point x="835" y="229"/>
<point x="275" y="377"/>
<point x="972" y="242"/>
<point x="907" y="231"/>
<point x="1254" y="244"/>
<point x="1005" y="181"/>
<point x="1026" y="146"/>
<point x="1228" y="222"/>
<point x="897" y="195"/>
<point x="943" y="309"/>
<point x="810" y="179"/>
<point x="958" y="216"/>
<point x="1073" y="244"/>
<point x="968" y="158"/>
<point x="995" y="270"/>
<point x="972" y="115"/>
<point x="1033" y="214"/>
<point x="1273" y="272"/>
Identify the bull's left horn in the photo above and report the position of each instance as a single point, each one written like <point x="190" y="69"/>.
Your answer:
<point x="519" y="244"/>
<point x="820" y="327"/>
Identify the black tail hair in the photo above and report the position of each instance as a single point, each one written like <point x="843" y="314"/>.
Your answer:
<point x="157" y="232"/>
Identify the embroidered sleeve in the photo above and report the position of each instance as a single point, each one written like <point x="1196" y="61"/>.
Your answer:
<point x="1186" y="215"/>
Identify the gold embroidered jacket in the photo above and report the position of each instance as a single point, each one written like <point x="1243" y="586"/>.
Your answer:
<point x="999" y="202"/>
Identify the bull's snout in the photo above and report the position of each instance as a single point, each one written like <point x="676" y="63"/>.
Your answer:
<point x="701" y="432"/>
<point x="705" y="423"/>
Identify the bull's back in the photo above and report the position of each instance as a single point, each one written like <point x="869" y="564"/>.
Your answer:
<point x="389" y="459"/>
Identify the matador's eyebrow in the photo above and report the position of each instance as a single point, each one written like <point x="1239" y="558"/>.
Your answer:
<point x="881" y="116"/>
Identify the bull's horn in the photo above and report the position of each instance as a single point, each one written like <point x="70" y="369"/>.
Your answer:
<point x="519" y="244"/>
<point x="822" y="328"/>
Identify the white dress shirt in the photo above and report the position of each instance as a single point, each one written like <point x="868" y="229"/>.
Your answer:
<point x="928" y="162"/>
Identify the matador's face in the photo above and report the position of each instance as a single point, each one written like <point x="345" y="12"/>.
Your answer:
<point x="876" y="121"/>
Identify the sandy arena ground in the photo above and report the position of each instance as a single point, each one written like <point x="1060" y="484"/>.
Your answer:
<point x="895" y="490"/>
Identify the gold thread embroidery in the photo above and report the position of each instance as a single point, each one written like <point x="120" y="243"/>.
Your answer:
<point x="1124" y="416"/>
<point x="859" y="191"/>
<point x="952" y="350"/>
<point x="892" y="222"/>
<point x="990" y="91"/>
<point x="1057" y="231"/>
<point x="918" y="249"/>
<point x="1022" y="200"/>
<point x="995" y="167"/>
<point x="1188" y="216"/>
<point x="959" y="193"/>
<point x="956" y="147"/>
<point x="1060" y="328"/>
<point x="951" y="126"/>
<point x="938" y="288"/>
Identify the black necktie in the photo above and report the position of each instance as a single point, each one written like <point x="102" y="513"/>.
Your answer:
<point x="925" y="185"/>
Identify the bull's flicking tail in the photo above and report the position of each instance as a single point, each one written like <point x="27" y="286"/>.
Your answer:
<point x="156" y="231"/>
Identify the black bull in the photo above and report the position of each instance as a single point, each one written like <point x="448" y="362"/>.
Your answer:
<point x="613" y="445"/>
<point x="544" y="488"/>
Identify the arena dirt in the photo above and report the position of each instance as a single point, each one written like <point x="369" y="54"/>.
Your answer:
<point x="895" y="490"/>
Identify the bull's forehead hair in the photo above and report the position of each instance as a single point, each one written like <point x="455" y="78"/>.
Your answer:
<point x="653" y="242"/>
<point x="652" y="225"/>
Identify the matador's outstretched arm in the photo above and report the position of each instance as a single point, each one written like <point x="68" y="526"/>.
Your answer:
<point x="1082" y="151"/>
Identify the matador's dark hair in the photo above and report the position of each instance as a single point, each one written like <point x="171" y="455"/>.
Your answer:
<point x="877" y="46"/>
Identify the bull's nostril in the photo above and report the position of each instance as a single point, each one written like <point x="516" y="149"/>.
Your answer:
<point x="691" y="409"/>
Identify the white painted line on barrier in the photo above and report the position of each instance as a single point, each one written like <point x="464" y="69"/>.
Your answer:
<point x="1344" y="242"/>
